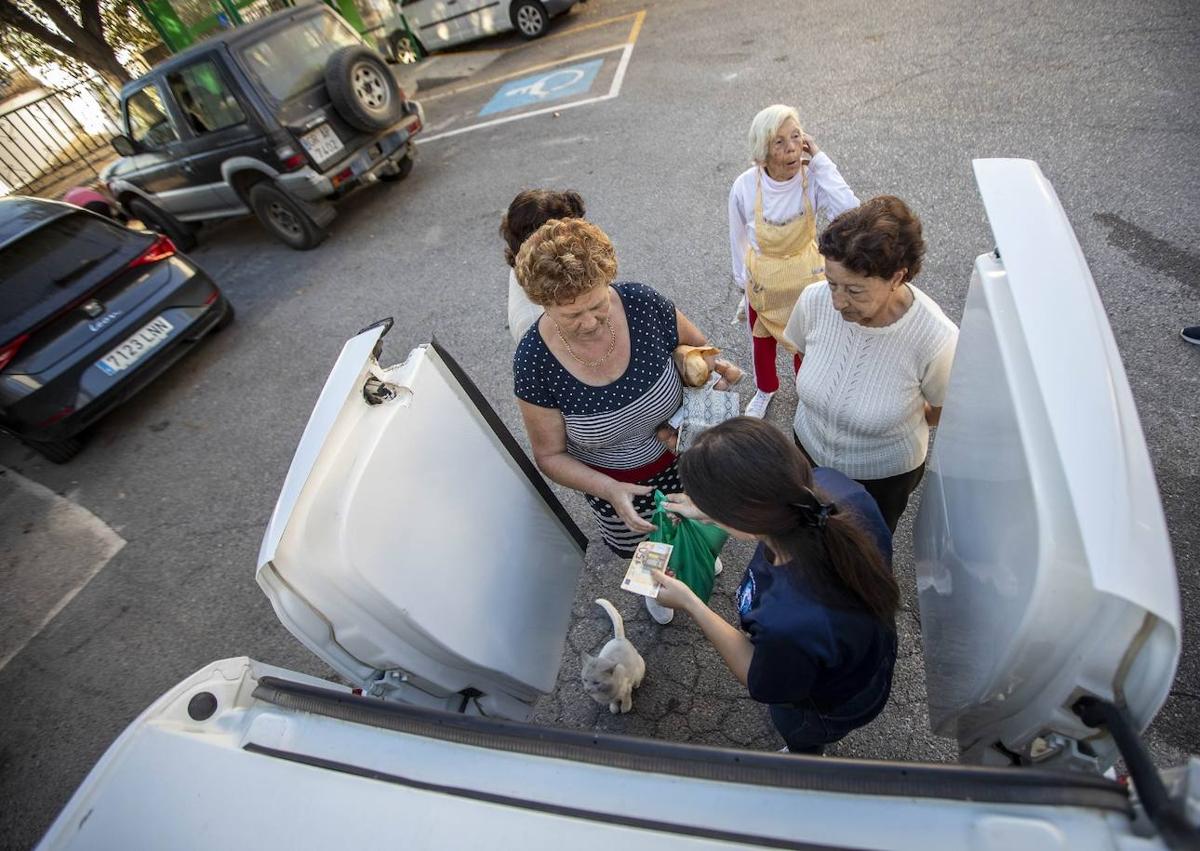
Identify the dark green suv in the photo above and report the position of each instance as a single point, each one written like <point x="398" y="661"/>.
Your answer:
<point x="277" y="119"/>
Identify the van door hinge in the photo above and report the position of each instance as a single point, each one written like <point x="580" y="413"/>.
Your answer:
<point x="388" y="682"/>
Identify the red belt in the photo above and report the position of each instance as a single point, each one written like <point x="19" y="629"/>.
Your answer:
<point x="639" y="474"/>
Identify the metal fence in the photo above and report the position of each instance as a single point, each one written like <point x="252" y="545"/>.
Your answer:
<point x="52" y="139"/>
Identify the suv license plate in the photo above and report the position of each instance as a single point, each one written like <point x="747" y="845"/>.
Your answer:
<point x="135" y="348"/>
<point x="321" y="143"/>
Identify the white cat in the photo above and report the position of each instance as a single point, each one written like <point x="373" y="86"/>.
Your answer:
<point x="612" y="676"/>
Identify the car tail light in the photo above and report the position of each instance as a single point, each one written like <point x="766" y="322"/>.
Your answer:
<point x="161" y="249"/>
<point x="290" y="158"/>
<point x="9" y="350"/>
<point x="341" y="177"/>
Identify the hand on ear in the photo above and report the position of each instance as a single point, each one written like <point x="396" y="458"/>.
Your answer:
<point x="810" y="145"/>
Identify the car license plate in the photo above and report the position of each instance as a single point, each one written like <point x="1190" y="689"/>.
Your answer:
<point x="321" y="143"/>
<point x="136" y="347"/>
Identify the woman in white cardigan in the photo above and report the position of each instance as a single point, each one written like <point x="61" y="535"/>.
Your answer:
<point x="877" y="354"/>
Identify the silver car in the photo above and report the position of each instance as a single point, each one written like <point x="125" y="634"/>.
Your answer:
<point x="444" y="23"/>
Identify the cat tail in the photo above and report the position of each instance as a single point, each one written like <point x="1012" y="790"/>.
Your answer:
<point x="614" y="616"/>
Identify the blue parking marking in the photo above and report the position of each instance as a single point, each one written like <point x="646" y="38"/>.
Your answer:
<point x="544" y="87"/>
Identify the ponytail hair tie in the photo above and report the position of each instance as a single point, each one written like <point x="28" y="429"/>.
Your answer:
<point x="816" y="516"/>
<point x="824" y="512"/>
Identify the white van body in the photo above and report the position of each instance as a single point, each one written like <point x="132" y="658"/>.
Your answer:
<point x="1044" y="569"/>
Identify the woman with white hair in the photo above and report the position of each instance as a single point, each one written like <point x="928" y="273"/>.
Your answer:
<point x="773" y="232"/>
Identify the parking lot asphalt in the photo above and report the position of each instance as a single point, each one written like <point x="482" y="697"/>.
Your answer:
<point x="902" y="96"/>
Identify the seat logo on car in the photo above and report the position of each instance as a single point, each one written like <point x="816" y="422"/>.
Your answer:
<point x="103" y="322"/>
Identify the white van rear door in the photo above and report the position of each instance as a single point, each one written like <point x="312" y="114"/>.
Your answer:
<point x="1044" y="567"/>
<point x="414" y="547"/>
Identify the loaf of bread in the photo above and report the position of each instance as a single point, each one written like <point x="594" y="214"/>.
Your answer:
<point x="695" y="363"/>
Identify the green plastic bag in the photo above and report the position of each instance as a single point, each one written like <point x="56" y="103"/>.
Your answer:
<point x="696" y="544"/>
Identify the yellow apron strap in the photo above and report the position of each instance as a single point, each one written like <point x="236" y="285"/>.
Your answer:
<point x="787" y="261"/>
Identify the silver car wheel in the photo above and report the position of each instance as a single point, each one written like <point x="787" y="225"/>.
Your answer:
<point x="530" y="20"/>
<point x="369" y="87"/>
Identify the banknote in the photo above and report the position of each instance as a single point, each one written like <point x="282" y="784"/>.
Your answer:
<point x="648" y="556"/>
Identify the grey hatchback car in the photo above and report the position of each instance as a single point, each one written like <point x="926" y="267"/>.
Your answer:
<point x="90" y="313"/>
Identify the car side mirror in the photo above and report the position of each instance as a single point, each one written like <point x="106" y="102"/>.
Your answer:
<point x="124" y="146"/>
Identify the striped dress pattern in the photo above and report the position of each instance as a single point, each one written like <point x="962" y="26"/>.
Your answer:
<point x="612" y="427"/>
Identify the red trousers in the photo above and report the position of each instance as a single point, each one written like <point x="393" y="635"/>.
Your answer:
<point x="766" y="378"/>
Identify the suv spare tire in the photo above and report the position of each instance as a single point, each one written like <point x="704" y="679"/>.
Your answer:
<point x="362" y="89"/>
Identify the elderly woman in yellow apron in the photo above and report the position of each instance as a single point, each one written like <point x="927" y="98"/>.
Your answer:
<point x="773" y="232"/>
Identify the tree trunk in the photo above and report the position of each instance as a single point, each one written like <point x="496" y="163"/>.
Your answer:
<point x="100" y="55"/>
<point x="114" y="82"/>
<point x="115" y="74"/>
<point x="71" y="39"/>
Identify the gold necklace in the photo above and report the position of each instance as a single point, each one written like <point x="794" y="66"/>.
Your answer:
<point x="591" y="364"/>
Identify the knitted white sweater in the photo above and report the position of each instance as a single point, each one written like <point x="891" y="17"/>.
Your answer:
<point x="863" y="390"/>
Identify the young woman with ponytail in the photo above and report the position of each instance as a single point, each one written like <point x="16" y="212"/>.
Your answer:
<point x="818" y="600"/>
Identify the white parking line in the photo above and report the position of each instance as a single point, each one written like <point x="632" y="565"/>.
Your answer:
<point x="52" y="549"/>
<point x="613" y="90"/>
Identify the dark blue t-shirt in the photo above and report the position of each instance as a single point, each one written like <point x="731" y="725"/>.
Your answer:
<point x="805" y="646"/>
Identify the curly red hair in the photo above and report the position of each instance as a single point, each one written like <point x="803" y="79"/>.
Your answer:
<point x="563" y="259"/>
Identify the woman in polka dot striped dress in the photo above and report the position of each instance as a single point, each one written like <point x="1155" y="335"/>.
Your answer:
<point x="594" y="379"/>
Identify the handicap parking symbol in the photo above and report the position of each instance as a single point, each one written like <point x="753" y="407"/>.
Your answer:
<point x="540" y="88"/>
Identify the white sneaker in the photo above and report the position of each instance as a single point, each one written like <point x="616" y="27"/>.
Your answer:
<point x="718" y="567"/>
<point x="660" y="613"/>
<point x="757" y="407"/>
